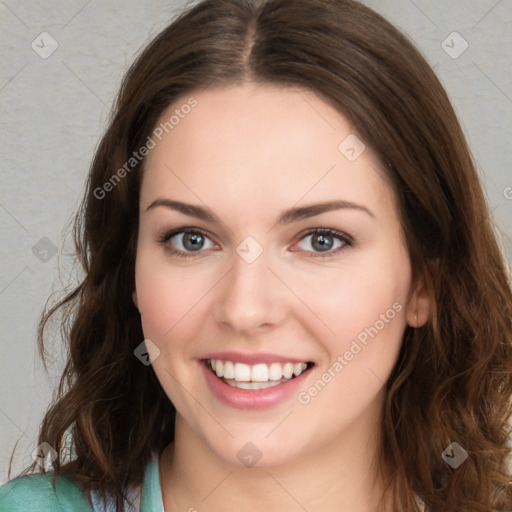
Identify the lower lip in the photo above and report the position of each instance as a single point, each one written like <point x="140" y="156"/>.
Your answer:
<point x="252" y="398"/>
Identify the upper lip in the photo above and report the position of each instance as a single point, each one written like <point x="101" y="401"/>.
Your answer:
<point x="253" y="358"/>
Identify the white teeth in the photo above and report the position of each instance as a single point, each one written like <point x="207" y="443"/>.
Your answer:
<point x="229" y="370"/>
<point x="219" y="368"/>
<point x="297" y="369"/>
<point x="288" y="370"/>
<point x="272" y="374"/>
<point x="242" y="372"/>
<point x="253" y="385"/>
<point x="259" y="373"/>
<point x="275" y="371"/>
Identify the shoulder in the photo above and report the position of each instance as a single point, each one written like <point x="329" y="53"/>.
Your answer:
<point x="35" y="493"/>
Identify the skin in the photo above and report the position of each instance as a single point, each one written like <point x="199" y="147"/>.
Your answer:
<point x="248" y="153"/>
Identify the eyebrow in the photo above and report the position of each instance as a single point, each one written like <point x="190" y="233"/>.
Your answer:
<point x="286" y="217"/>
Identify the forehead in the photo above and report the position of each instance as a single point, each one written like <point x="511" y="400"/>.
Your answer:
<point x="261" y="143"/>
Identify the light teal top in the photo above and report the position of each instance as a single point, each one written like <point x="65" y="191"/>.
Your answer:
<point x="35" y="493"/>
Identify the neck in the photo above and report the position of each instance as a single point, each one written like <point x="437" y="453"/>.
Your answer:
<point x="341" y="476"/>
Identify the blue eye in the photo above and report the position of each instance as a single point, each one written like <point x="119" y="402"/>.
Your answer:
<point x="191" y="242"/>
<point x="188" y="242"/>
<point x="326" y="241"/>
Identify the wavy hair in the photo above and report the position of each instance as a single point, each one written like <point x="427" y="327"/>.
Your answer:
<point x="453" y="377"/>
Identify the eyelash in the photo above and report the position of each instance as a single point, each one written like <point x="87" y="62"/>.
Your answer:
<point x="345" y="239"/>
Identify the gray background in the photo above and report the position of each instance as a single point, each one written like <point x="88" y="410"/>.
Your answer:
<point x="54" y="110"/>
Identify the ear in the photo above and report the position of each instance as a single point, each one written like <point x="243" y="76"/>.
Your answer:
<point x="134" y="298"/>
<point x="418" y="309"/>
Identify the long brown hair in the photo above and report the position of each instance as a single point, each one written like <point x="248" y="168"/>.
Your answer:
<point x="453" y="378"/>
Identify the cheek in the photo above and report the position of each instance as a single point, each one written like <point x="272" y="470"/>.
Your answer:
<point x="364" y="306"/>
<point x="367" y="316"/>
<point x="371" y="321"/>
<point x="168" y="296"/>
<point x="346" y="300"/>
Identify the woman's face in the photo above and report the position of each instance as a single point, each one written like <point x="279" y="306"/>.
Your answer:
<point x="269" y="242"/>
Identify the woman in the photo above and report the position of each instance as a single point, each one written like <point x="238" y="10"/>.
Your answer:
<point x="285" y="210"/>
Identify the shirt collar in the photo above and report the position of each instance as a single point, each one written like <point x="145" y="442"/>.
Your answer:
<point x="151" y="500"/>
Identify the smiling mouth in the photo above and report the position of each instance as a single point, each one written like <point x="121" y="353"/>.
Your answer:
<point x="257" y="376"/>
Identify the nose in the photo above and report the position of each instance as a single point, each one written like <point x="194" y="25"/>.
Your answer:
<point x="251" y="299"/>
